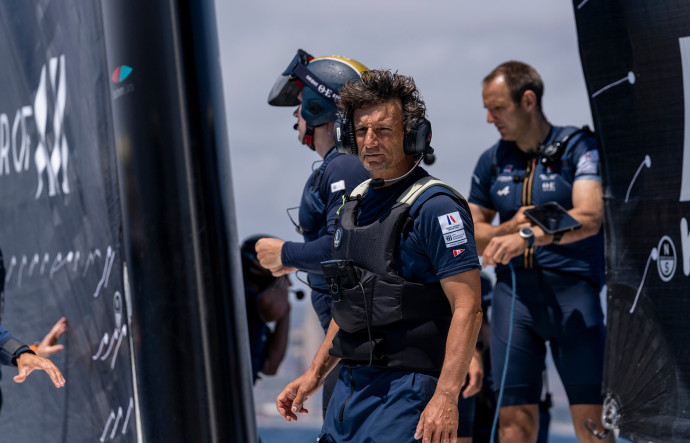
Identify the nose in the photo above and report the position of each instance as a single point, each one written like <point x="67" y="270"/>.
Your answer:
<point x="489" y="118"/>
<point x="370" y="137"/>
<point x="296" y="113"/>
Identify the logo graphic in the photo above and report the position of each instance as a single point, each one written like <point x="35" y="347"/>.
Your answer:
<point x="450" y="222"/>
<point x="548" y="186"/>
<point x="508" y="168"/>
<point x="52" y="158"/>
<point x="338" y="186"/>
<point x="457" y="252"/>
<point x="503" y="192"/>
<point x="338" y="238"/>
<point x="666" y="263"/>
<point x="121" y="73"/>
<point x="118" y="76"/>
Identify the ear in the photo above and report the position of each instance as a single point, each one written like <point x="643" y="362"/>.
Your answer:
<point x="529" y="100"/>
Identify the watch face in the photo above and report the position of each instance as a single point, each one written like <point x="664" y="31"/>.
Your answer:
<point x="527" y="232"/>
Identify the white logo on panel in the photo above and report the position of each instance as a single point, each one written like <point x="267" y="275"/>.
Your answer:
<point x="51" y="156"/>
<point x="666" y="263"/>
<point x="684" y="43"/>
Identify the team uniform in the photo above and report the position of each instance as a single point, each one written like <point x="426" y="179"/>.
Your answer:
<point x="557" y="294"/>
<point x="323" y="194"/>
<point x="394" y="317"/>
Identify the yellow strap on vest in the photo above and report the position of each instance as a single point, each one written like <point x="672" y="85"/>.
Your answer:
<point x="418" y="188"/>
<point x="412" y="193"/>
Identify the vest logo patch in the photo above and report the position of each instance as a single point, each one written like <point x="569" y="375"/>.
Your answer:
<point x="503" y="192"/>
<point x="450" y="222"/>
<point x="338" y="238"/>
<point x="338" y="186"/>
<point x="455" y="238"/>
<point x="457" y="252"/>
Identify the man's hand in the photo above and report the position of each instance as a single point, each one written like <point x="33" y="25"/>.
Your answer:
<point x="439" y="420"/>
<point x="502" y="249"/>
<point x="520" y="220"/>
<point x="290" y="402"/>
<point x="48" y="345"/>
<point x="268" y="252"/>
<point x="475" y="376"/>
<point x="27" y="362"/>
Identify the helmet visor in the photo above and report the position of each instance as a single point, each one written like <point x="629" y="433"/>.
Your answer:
<point x="286" y="89"/>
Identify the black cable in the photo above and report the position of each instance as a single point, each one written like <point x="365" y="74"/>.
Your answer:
<point x="366" y="312"/>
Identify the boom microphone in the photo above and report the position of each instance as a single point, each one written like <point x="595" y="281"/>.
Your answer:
<point x="379" y="182"/>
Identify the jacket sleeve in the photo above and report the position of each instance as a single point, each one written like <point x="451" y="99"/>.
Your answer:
<point x="10" y="348"/>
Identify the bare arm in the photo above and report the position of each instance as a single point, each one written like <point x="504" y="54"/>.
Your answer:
<point x="439" y="420"/>
<point x="588" y="209"/>
<point x="484" y="231"/>
<point x="277" y="344"/>
<point x="291" y="400"/>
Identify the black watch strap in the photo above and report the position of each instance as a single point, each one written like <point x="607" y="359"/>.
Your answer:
<point x="557" y="237"/>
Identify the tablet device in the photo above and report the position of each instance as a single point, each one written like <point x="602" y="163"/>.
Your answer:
<point x="552" y="218"/>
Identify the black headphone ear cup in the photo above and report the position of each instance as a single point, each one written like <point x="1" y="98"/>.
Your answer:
<point x="418" y="141"/>
<point x="344" y="135"/>
<point x="350" y="135"/>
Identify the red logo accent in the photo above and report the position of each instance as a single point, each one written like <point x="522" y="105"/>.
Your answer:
<point x="457" y="252"/>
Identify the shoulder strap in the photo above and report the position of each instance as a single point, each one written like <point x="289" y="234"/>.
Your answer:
<point x="361" y="189"/>
<point x="423" y="187"/>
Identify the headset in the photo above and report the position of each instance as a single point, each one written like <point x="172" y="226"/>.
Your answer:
<point x="551" y="153"/>
<point x="417" y="142"/>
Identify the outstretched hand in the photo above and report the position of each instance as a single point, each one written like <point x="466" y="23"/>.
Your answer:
<point x="48" y="345"/>
<point x="27" y="362"/>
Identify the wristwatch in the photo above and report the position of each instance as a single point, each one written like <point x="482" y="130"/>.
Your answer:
<point x="528" y="234"/>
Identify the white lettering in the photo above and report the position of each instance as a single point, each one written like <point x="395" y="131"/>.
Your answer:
<point x="4" y="144"/>
<point x="684" y="43"/>
<point x="21" y="160"/>
<point x="685" y="245"/>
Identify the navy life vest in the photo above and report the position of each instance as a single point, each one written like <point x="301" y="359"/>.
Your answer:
<point x="384" y="320"/>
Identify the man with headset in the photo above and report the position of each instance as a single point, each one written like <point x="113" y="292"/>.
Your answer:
<point x="404" y="278"/>
<point x="558" y="277"/>
<point x="311" y="84"/>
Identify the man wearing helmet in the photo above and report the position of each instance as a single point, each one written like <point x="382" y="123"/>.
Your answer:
<point x="312" y="84"/>
<point x="404" y="278"/>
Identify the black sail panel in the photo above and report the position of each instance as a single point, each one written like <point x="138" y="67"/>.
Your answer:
<point x="636" y="62"/>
